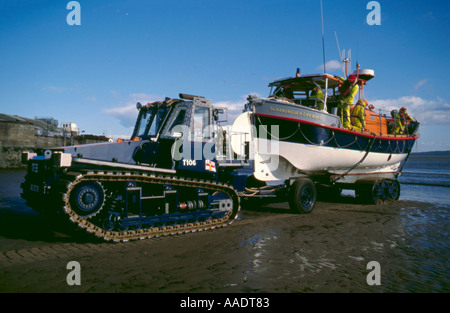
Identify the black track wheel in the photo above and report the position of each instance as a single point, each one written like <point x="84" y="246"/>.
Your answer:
<point x="302" y="196"/>
<point x="87" y="199"/>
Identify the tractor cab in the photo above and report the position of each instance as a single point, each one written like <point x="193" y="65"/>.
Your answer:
<point x="179" y="134"/>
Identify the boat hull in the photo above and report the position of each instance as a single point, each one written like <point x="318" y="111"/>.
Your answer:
<point x="295" y="141"/>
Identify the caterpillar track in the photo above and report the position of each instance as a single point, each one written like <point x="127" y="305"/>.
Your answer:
<point x="109" y="222"/>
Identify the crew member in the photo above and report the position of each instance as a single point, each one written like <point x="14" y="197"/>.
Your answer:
<point x="348" y="91"/>
<point x="317" y="95"/>
<point x="358" y="115"/>
<point x="401" y="120"/>
<point x="284" y="92"/>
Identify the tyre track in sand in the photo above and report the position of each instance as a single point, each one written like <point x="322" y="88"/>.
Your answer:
<point x="52" y="252"/>
<point x="46" y="251"/>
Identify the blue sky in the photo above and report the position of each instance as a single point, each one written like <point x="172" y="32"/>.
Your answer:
<point x="128" y="51"/>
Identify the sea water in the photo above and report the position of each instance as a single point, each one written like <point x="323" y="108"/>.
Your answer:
<point x="426" y="178"/>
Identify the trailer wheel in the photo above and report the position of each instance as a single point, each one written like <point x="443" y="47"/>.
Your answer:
<point x="302" y="196"/>
<point x="375" y="192"/>
<point x="380" y="191"/>
<point x="394" y="190"/>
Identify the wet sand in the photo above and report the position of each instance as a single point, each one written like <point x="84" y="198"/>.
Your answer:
<point x="267" y="249"/>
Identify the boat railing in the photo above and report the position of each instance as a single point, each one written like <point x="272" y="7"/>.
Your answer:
<point x="379" y="122"/>
<point x="382" y="122"/>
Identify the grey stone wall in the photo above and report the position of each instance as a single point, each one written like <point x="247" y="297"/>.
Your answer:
<point x="16" y="137"/>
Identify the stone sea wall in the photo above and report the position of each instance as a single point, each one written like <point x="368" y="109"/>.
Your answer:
<point x="18" y="137"/>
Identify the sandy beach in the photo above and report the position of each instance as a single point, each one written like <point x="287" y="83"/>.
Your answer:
<point x="266" y="250"/>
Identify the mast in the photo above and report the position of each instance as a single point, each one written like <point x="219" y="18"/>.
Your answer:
<point x="323" y="37"/>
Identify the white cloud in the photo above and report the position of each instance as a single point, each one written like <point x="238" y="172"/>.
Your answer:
<point x="236" y="107"/>
<point x="127" y="113"/>
<point x="429" y="112"/>
<point x="55" y="89"/>
<point x="331" y="65"/>
<point x="420" y="83"/>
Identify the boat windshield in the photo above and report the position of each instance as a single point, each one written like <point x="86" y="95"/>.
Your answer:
<point x="315" y="91"/>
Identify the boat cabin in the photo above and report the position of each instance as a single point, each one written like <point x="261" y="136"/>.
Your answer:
<point x="300" y="90"/>
<point x="321" y="92"/>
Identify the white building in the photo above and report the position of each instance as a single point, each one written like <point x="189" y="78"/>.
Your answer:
<point x="70" y="128"/>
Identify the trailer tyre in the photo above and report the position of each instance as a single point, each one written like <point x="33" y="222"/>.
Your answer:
<point x="394" y="190"/>
<point x="302" y="196"/>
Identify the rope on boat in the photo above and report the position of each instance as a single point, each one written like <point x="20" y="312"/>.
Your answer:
<point x="249" y="192"/>
<point x="390" y="149"/>
<point x="277" y="138"/>
<point x="299" y="126"/>
<point x="368" y="148"/>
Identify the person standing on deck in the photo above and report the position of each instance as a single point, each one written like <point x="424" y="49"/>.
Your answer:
<point x="317" y="95"/>
<point x="358" y="115"/>
<point x="402" y="118"/>
<point x="348" y="91"/>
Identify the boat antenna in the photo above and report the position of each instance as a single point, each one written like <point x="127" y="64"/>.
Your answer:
<point x="342" y="57"/>
<point x="339" y="49"/>
<point x="357" y="50"/>
<point x="347" y="61"/>
<point x="357" y="53"/>
<point x="323" y="37"/>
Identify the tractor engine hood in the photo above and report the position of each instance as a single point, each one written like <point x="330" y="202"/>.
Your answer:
<point x="120" y="152"/>
<point x="110" y="152"/>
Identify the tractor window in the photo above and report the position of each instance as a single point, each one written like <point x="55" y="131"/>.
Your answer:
<point x="200" y="125"/>
<point x="177" y="120"/>
<point x="154" y="127"/>
<point x="146" y="117"/>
